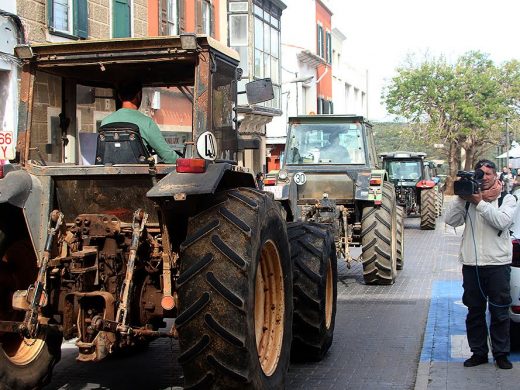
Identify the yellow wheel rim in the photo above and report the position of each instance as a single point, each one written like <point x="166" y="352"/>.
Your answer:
<point x="269" y="308"/>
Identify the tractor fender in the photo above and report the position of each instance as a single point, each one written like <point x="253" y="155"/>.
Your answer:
<point x="219" y="176"/>
<point x="366" y="186"/>
<point x="15" y="188"/>
<point x="422" y="184"/>
<point x="287" y="195"/>
<point x="24" y="191"/>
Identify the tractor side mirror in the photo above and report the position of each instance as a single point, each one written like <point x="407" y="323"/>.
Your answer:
<point x="259" y="91"/>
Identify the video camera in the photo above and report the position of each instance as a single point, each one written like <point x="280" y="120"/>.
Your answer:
<point x="469" y="182"/>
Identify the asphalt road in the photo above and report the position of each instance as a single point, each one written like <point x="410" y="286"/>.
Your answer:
<point x="377" y="342"/>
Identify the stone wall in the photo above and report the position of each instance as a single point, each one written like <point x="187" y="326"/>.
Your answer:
<point x="34" y="17"/>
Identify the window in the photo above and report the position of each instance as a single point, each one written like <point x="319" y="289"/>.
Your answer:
<point x="171" y="17"/>
<point x="121" y="18"/>
<point x="207" y="18"/>
<point x="263" y="59"/>
<point x="319" y="48"/>
<point x="330" y="143"/>
<point x="329" y="48"/>
<point x="238" y="38"/>
<point x="68" y="18"/>
<point x="267" y="46"/>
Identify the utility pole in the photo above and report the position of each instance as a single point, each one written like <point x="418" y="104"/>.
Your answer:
<point x="507" y="143"/>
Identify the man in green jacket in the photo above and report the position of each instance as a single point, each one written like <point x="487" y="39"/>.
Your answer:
<point x="131" y="96"/>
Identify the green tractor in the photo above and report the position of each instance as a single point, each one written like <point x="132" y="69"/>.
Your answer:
<point x="418" y="187"/>
<point x="331" y="175"/>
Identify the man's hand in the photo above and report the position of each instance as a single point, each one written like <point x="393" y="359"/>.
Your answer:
<point x="475" y="198"/>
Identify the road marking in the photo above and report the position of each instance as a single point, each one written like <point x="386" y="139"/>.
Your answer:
<point x="445" y="335"/>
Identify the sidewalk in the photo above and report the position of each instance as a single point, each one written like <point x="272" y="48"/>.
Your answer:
<point x="445" y="345"/>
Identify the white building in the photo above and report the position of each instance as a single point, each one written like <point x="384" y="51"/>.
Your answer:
<point x="349" y="85"/>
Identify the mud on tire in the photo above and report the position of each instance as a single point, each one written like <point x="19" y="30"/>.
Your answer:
<point x="429" y="206"/>
<point x="24" y="363"/>
<point x="313" y="256"/>
<point x="400" y="237"/>
<point x="235" y="295"/>
<point x="379" y="239"/>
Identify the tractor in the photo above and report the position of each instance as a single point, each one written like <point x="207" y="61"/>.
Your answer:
<point x="101" y="242"/>
<point x="418" y="188"/>
<point x="330" y="175"/>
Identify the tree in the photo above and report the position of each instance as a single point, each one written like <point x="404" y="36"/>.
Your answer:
<point x="461" y="105"/>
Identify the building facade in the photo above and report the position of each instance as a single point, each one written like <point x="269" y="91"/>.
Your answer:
<point x="252" y="27"/>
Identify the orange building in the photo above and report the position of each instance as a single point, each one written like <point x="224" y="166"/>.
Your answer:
<point x="324" y="50"/>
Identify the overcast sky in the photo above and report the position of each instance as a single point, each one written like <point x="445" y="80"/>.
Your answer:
<point x="380" y="34"/>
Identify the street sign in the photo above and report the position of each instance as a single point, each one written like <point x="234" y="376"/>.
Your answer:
<point x="207" y="146"/>
<point x="7" y="147"/>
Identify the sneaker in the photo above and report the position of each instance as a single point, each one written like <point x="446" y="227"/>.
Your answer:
<point x="476" y="360"/>
<point x="503" y="363"/>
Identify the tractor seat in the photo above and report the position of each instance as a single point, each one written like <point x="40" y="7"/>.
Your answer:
<point x="121" y="143"/>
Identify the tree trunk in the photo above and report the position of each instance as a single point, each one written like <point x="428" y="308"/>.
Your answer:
<point x="453" y="166"/>
<point x="470" y="158"/>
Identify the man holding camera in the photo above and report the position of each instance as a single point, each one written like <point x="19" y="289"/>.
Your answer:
<point x="485" y="254"/>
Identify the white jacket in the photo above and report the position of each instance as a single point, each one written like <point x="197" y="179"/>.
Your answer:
<point x="484" y="222"/>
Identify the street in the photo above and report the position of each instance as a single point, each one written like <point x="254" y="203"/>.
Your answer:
<point x="379" y="341"/>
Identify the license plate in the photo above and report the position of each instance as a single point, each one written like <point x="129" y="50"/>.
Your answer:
<point x="7" y="145"/>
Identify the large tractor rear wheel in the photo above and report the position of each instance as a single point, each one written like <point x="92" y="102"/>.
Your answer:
<point x="429" y="206"/>
<point x="235" y="295"/>
<point x="24" y="363"/>
<point x="315" y="273"/>
<point x="379" y="239"/>
<point x="400" y="237"/>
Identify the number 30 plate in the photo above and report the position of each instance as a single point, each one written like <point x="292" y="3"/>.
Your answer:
<point x="300" y="178"/>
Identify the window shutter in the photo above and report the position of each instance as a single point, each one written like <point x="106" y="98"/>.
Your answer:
<point x="163" y="22"/>
<point x="50" y="15"/>
<point x="181" y="15"/>
<point x="198" y="16"/>
<point x="121" y="21"/>
<point x="80" y="8"/>
<point x="318" y="39"/>
<point x="212" y="20"/>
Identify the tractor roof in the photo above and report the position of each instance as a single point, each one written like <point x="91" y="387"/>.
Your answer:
<point x="402" y="155"/>
<point x="105" y="63"/>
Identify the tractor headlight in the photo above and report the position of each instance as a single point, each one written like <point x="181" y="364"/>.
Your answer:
<point x="282" y="175"/>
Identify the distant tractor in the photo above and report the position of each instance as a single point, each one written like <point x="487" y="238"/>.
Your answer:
<point x="418" y="188"/>
<point x="331" y="176"/>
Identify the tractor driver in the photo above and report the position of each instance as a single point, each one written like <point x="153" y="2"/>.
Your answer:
<point x="131" y="95"/>
<point x="334" y="151"/>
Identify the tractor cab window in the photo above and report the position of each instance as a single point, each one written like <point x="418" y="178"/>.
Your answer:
<point x="409" y="170"/>
<point x="55" y="139"/>
<point x="324" y="144"/>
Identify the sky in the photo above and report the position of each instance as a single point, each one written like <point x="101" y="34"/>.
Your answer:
<point x="381" y="33"/>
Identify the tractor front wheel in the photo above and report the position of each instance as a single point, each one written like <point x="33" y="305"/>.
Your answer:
<point x="379" y="239"/>
<point x="315" y="273"/>
<point x="429" y="206"/>
<point x="400" y="237"/>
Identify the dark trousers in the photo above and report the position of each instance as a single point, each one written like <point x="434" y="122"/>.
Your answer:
<point x="495" y="284"/>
